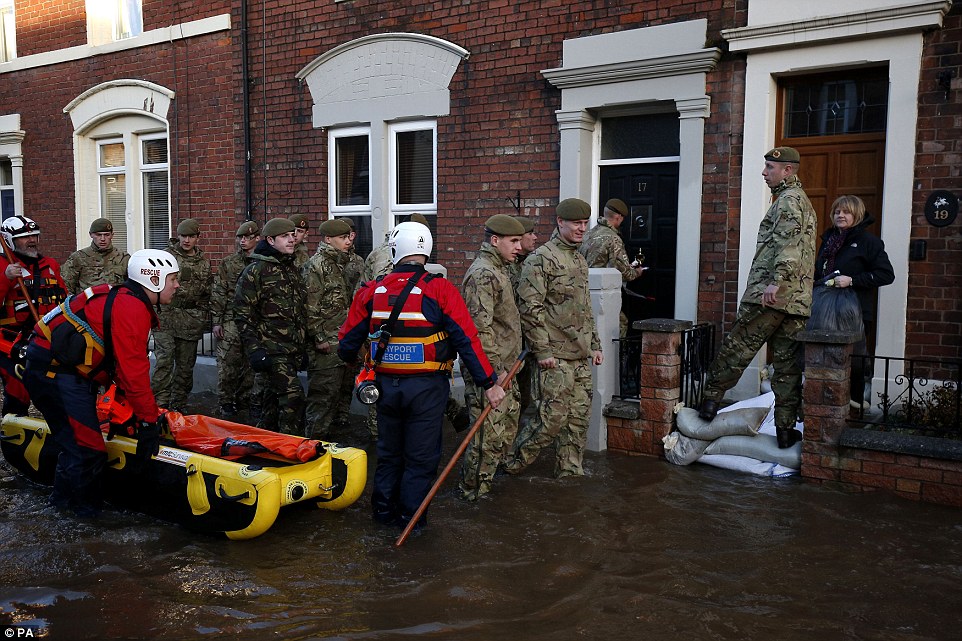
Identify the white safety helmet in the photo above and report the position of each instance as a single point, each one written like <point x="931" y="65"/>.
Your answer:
<point x="18" y="227"/>
<point x="150" y="268"/>
<point x="410" y="239"/>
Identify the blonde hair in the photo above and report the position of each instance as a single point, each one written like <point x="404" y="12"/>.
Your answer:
<point x="852" y="204"/>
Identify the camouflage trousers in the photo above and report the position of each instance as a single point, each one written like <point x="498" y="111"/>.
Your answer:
<point x="173" y="377"/>
<point x="491" y="444"/>
<point x="235" y="379"/>
<point x="282" y="396"/>
<point x="325" y="392"/>
<point x="526" y="381"/>
<point x="564" y="412"/>
<point x="754" y="326"/>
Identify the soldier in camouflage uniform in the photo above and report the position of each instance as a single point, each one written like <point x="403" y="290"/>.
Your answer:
<point x="603" y="247"/>
<point x="560" y="328"/>
<point x="234" y="377"/>
<point x="268" y="303"/>
<point x="777" y="299"/>
<point x="99" y="263"/>
<point x="328" y="299"/>
<point x="488" y="293"/>
<point x="527" y="378"/>
<point x="355" y="264"/>
<point x="182" y="322"/>
<point x="302" y="251"/>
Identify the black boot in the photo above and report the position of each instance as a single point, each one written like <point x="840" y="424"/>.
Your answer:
<point x="787" y="436"/>
<point x="707" y="409"/>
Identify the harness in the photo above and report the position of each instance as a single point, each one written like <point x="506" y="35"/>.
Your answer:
<point x="74" y="344"/>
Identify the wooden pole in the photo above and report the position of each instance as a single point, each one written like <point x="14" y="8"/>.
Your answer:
<point x="454" y="459"/>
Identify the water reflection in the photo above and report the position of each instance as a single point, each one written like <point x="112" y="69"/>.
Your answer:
<point x="639" y="549"/>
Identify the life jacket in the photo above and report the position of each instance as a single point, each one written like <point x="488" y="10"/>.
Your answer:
<point x="44" y="290"/>
<point x="71" y="340"/>
<point x="417" y="346"/>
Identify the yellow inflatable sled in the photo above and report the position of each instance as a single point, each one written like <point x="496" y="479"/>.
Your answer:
<point x="210" y="475"/>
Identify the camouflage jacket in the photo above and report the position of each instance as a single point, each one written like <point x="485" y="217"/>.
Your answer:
<point x="186" y="317"/>
<point x="377" y="263"/>
<point x="89" y="266"/>
<point x="327" y="295"/>
<point x="269" y="301"/>
<point x="555" y="303"/>
<point x="603" y="247"/>
<point x="489" y="295"/>
<point x="353" y="270"/>
<point x="222" y="293"/>
<point x="785" y="251"/>
<point x="302" y="254"/>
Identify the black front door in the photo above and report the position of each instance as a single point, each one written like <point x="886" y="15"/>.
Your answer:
<point x="651" y="193"/>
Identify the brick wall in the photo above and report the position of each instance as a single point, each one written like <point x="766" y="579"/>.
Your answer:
<point x="47" y="26"/>
<point x="934" y="323"/>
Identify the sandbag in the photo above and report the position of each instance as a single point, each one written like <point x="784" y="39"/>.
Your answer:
<point x="681" y="450"/>
<point x="744" y="421"/>
<point x="835" y="309"/>
<point x="762" y="447"/>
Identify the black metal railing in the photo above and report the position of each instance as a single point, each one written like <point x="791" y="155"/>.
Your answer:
<point x="629" y="366"/>
<point x="697" y="350"/>
<point x="924" y="399"/>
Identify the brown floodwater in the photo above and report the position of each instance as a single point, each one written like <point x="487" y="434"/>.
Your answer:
<point x="638" y="549"/>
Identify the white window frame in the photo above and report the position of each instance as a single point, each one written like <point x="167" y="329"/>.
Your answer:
<point x="349" y="210"/>
<point x="397" y="209"/>
<point x="9" y="187"/>
<point x="8" y="31"/>
<point x="145" y="168"/>
<point x="114" y="20"/>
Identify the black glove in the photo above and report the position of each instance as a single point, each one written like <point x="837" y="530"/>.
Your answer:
<point x="260" y="361"/>
<point x="148" y="439"/>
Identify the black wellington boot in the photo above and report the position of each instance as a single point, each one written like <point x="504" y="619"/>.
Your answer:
<point x="787" y="436"/>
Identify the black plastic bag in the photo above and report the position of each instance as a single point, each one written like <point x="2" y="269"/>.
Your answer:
<point x="835" y="309"/>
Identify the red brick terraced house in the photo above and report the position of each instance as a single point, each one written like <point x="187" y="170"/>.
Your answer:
<point x="150" y="112"/>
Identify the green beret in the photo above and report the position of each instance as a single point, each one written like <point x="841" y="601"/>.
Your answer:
<point x="349" y="221"/>
<point x="618" y="206"/>
<point x="247" y="228"/>
<point x="101" y="225"/>
<point x="573" y="209"/>
<point x="419" y="218"/>
<point x="335" y="227"/>
<point x="278" y="226"/>
<point x="188" y="227"/>
<point x="783" y="154"/>
<point x="503" y="225"/>
<point x="299" y="220"/>
<point x="526" y="222"/>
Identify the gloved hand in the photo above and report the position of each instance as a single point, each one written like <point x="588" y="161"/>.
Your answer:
<point x="148" y="439"/>
<point x="259" y="360"/>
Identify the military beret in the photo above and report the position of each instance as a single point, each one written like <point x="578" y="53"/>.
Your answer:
<point x="503" y="225"/>
<point x="247" y="228"/>
<point x="188" y="227"/>
<point x="419" y="218"/>
<point x="335" y="227"/>
<point x="573" y="209"/>
<point x="101" y="225"/>
<point x="299" y="220"/>
<point x="349" y="221"/>
<point x="783" y="154"/>
<point x="526" y="222"/>
<point x="618" y="206"/>
<point x="278" y="226"/>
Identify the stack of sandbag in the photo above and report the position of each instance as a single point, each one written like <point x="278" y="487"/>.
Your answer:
<point x="732" y="432"/>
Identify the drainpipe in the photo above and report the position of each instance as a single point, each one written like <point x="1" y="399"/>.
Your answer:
<point x="245" y="79"/>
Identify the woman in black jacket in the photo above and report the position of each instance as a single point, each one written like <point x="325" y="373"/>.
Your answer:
<point x="861" y="262"/>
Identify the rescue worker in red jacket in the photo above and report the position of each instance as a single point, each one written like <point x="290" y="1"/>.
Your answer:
<point x="41" y="276"/>
<point x="414" y="374"/>
<point x="63" y="373"/>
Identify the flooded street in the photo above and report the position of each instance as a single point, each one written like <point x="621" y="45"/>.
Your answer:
<point x="639" y="549"/>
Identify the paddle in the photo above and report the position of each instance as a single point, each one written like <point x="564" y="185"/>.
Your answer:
<point x="454" y="459"/>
